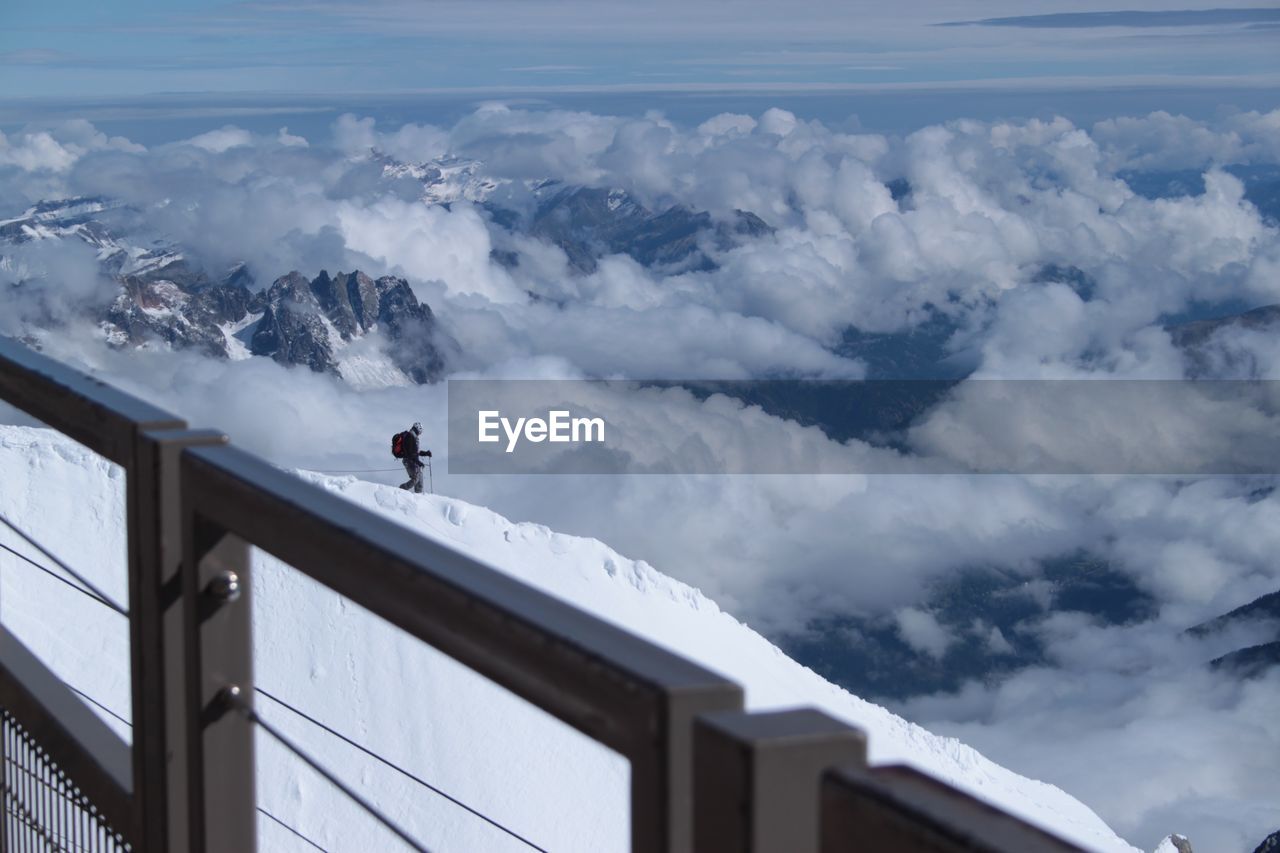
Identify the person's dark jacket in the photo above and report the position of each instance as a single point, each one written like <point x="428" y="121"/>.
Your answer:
<point x="411" y="447"/>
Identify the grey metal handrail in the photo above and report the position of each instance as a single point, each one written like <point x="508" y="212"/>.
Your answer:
<point x="705" y="775"/>
<point x="894" y="807"/>
<point x="102" y="418"/>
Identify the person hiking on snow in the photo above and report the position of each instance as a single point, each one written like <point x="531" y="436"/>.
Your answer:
<point x="409" y="454"/>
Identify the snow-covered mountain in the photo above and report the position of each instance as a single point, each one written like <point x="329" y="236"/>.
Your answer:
<point x="447" y="179"/>
<point x="442" y="722"/>
<point x="316" y="323"/>
<point x="588" y="223"/>
<point x="167" y="299"/>
<point x="371" y="332"/>
<point x="101" y="223"/>
<point x="326" y="323"/>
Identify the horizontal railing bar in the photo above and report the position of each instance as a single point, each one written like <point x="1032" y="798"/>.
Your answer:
<point x="590" y="674"/>
<point x="97" y="415"/>
<point x="82" y="745"/>
<point x="895" y="807"/>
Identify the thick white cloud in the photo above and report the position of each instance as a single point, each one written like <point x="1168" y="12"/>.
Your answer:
<point x="57" y="148"/>
<point x="48" y="283"/>
<point x="220" y="140"/>
<point x="284" y="137"/>
<point x="1164" y="141"/>
<point x="1134" y="717"/>
<point x="922" y="632"/>
<point x="411" y="142"/>
<point x="989" y="205"/>
<point x="427" y="243"/>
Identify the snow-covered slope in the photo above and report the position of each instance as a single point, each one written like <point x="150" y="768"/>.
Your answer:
<point x="95" y="221"/>
<point x="443" y="723"/>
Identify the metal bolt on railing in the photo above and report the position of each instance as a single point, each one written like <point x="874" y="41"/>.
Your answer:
<point x="225" y="586"/>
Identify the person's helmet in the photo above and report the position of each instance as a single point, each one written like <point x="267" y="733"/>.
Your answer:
<point x="417" y="428"/>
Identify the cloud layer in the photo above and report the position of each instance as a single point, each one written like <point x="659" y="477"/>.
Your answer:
<point x="879" y="233"/>
<point x="1023" y="237"/>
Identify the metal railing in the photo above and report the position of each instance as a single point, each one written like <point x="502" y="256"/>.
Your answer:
<point x="705" y="775"/>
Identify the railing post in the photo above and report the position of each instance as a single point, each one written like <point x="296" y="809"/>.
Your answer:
<point x="220" y="754"/>
<point x="662" y="785"/>
<point x="156" y="637"/>
<point x="758" y="778"/>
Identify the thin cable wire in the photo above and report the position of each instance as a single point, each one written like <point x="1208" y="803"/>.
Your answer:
<point x="239" y="705"/>
<point x="400" y="770"/>
<point x="55" y="575"/>
<point x="90" y="699"/>
<point x="351" y="471"/>
<point x="261" y="810"/>
<point x="106" y="599"/>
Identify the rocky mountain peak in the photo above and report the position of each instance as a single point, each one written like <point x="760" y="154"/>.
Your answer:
<point x="182" y="310"/>
<point x="308" y="322"/>
<point x="1174" y="843"/>
<point x="293" y="286"/>
<point x="295" y="320"/>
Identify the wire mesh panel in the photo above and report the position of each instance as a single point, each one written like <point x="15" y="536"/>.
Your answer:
<point x="43" y="809"/>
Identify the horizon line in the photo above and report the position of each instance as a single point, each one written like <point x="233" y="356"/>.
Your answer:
<point x="1000" y="84"/>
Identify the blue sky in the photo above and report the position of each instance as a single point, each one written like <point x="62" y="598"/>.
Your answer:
<point x="87" y="48"/>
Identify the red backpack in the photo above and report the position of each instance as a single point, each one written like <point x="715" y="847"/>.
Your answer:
<point x="397" y="445"/>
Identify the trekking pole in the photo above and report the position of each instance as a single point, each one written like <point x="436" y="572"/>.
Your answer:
<point x="431" y="478"/>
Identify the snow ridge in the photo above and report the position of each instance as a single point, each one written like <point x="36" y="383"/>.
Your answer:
<point x="671" y="614"/>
